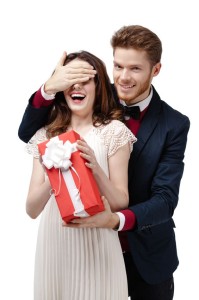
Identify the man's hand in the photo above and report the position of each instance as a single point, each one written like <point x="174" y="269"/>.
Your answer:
<point x="105" y="219"/>
<point x="64" y="77"/>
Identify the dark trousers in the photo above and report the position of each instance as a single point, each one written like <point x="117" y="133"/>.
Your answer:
<point x="141" y="290"/>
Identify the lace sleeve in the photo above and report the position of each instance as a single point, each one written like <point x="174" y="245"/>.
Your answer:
<point x="31" y="146"/>
<point x="116" y="135"/>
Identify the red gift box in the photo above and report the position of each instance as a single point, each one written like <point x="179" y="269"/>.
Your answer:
<point x="73" y="184"/>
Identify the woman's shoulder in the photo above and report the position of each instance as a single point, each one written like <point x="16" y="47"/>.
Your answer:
<point x="114" y="124"/>
<point x="117" y="123"/>
<point x="115" y="135"/>
<point x="115" y="127"/>
<point x="117" y="130"/>
<point x="39" y="136"/>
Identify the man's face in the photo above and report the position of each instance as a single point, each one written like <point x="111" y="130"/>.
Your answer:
<point x="132" y="74"/>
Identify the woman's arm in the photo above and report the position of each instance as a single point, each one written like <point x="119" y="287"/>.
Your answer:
<point x="114" y="188"/>
<point x="39" y="190"/>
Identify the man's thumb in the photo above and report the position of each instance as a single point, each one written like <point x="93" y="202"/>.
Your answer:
<point x="106" y="203"/>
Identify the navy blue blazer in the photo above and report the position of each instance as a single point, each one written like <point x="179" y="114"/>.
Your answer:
<point x="155" y="171"/>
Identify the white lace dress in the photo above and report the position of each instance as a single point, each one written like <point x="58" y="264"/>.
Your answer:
<point x="80" y="264"/>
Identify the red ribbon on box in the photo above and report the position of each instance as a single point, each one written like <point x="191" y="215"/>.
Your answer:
<point x="73" y="184"/>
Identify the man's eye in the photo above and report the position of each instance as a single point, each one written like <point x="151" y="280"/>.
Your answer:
<point x="135" y="68"/>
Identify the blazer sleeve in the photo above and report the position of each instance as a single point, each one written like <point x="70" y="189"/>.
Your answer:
<point x="32" y="120"/>
<point x="165" y="182"/>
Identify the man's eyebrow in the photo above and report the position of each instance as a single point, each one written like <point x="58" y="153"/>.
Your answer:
<point x="128" y="66"/>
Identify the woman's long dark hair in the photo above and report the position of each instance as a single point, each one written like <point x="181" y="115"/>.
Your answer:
<point x="105" y="108"/>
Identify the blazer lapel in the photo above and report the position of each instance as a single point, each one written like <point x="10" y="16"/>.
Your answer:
<point x="147" y="127"/>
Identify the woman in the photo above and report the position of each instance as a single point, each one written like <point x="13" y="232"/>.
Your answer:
<point x="82" y="264"/>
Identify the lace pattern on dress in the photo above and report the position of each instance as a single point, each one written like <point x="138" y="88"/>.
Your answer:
<point x="116" y="135"/>
<point x="39" y="137"/>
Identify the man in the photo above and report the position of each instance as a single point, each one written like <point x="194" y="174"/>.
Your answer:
<point x="156" y="165"/>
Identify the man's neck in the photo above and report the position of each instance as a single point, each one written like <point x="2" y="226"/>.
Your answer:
<point x="143" y="103"/>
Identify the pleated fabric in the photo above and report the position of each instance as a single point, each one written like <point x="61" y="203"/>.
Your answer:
<point x="77" y="264"/>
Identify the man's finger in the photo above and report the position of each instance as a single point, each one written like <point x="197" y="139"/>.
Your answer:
<point x="62" y="59"/>
<point x="82" y="220"/>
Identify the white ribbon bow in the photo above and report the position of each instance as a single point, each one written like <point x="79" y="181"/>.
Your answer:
<point x="58" y="154"/>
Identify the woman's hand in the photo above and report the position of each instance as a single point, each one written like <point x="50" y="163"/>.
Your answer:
<point x="114" y="187"/>
<point x="88" y="154"/>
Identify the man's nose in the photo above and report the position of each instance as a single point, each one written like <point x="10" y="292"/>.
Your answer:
<point x="125" y="75"/>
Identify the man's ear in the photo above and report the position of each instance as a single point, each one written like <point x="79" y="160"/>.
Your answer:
<point x="156" y="69"/>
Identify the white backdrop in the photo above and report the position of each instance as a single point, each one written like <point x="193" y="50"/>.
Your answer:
<point x="33" y="36"/>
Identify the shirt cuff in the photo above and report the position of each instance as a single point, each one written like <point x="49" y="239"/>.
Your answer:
<point x="46" y="96"/>
<point x="122" y="221"/>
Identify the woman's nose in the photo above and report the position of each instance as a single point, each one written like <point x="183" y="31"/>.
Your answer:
<point x="77" y="86"/>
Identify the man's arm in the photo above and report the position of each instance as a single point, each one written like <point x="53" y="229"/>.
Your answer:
<point x="105" y="219"/>
<point x="164" y="189"/>
<point x="124" y="220"/>
<point x="34" y="117"/>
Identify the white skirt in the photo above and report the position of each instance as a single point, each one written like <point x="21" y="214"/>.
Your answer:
<point x="77" y="264"/>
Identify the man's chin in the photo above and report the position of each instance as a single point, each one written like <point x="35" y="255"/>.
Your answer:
<point x="123" y="96"/>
